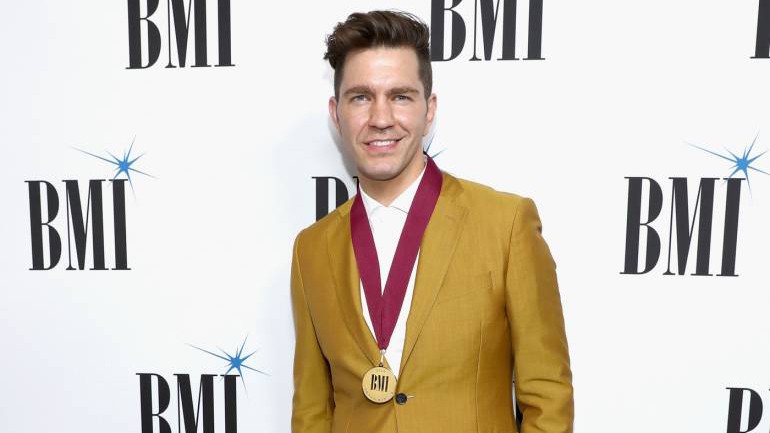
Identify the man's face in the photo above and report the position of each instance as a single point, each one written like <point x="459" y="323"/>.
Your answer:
<point x="382" y="114"/>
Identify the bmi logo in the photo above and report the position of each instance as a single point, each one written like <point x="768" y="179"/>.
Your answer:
<point x="83" y="214"/>
<point x="486" y="19"/>
<point x="689" y="229"/>
<point x="192" y="414"/>
<point x="744" y="411"/>
<point x="180" y="17"/>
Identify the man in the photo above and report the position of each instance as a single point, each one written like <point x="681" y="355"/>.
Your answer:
<point x="418" y="301"/>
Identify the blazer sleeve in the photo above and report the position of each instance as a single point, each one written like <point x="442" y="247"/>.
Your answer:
<point x="313" y="402"/>
<point x="541" y="365"/>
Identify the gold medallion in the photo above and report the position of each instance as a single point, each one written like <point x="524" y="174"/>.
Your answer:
<point x="379" y="384"/>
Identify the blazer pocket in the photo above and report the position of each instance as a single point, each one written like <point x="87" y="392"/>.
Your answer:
<point x="463" y="287"/>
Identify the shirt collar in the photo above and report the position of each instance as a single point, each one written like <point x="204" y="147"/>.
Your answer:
<point x="403" y="202"/>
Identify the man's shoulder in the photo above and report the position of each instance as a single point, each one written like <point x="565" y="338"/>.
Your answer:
<point x="480" y="196"/>
<point x="492" y="211"/>
<point x="317" y="230"/>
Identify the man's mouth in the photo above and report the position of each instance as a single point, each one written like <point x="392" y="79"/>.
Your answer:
<point x="383" y="142"/>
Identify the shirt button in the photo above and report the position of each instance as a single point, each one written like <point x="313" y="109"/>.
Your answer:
<point x="401" y="398"/>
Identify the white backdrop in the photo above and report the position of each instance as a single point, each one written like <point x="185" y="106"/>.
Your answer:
<point x="233" y="152"/>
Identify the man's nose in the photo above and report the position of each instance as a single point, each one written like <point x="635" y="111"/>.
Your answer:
<point x="381" y="114"/>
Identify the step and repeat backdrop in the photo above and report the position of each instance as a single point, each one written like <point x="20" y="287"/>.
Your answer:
<point x="160" y="156"/>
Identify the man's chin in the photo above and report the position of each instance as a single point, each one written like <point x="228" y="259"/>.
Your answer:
<point x="380" y="176"/>
<point x="379" y="173"/>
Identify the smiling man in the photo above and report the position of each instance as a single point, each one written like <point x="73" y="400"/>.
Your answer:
<point x="418" y="301"/>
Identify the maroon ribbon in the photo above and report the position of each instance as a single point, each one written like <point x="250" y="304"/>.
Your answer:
<point x="384" y="307"/>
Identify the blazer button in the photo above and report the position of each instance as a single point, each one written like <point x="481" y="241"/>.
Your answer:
<point x="401" y="398"/>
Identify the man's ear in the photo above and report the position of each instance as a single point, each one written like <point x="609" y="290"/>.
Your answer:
<point x="333" y="112"/>
<point x="431" y="114"/>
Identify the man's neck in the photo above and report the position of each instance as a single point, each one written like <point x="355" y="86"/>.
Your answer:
<point x="385" y="191"/>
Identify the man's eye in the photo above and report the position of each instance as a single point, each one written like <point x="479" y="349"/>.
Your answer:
<point x="358" y="98"/>
<point x="402" y="98"/>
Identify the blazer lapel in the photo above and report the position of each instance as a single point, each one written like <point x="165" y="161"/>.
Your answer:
<point x="436" y="251"/>
<point x="346" y="281"/>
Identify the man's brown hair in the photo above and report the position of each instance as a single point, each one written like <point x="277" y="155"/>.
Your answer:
<point x="374" y="29"/>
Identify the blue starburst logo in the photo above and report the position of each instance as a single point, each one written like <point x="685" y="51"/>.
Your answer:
<point x="122" y="165"/>
<point x="742" y="163"/>
<point x="427" y="148"/>
<point x="236" y="361"/>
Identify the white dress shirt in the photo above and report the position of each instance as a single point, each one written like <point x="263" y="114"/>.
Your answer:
<point x="387" y="222"/>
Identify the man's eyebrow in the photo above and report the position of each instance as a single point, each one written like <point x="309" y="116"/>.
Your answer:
<point x="359" y="90"/>
<point x="404" y="89"/>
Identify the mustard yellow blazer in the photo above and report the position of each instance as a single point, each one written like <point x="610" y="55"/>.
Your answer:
<point x="485" y="309"/>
